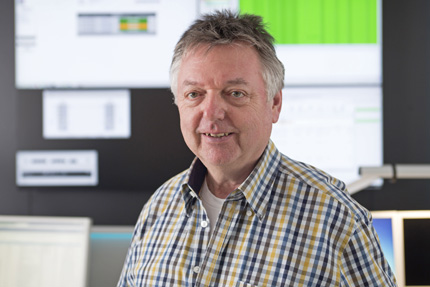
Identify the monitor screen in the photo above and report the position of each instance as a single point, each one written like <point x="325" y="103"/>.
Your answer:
<point x="387" y="228"/>
<point x="106" y="43"/>
<point x="90" y="43"/>
<point x="384" y="228"/>
<point x="417" y="250"/>
<point x="337" y="129"/>
<point x="44" y="251"/>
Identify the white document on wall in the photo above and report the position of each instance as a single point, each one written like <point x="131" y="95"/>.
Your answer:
<point x="86" y="114"/>
<point x="57" y="168"/>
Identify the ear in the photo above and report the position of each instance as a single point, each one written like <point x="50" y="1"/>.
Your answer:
<point x="276" y="106"/>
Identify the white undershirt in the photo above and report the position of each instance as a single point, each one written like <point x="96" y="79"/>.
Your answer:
<point x="212" y="204"/>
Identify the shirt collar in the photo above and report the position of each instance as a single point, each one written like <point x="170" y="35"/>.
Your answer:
<point x="192" y="184"/>
<point x="256" y="188"/>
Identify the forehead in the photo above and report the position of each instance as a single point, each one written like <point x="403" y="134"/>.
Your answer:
<point x="221" y="61"/>
<point x="207" y="50"/>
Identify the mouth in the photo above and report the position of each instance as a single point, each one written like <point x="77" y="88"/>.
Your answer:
<point x="220" y="135"/>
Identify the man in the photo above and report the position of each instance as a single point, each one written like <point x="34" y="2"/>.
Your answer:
<point x="244" y="214"/>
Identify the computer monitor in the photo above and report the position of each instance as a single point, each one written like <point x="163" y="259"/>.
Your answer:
<point x="107" y="44"/>
<point x="336" y="128"/>
<point x="44" y="251"/>
<point x="109" y="246"/>
<point x="384" y="223"/>
<point x="405" y="241"/>
<point x="416" y="245"/>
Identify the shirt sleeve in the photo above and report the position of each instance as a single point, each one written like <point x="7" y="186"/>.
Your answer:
<point x="123" y="278"/>
<point x="363" y="263"/>
<point x="126" y="279"/>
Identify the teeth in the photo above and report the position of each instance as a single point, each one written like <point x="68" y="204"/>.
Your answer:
<point x="217" y="135"/>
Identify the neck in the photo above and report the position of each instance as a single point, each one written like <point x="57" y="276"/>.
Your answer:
<point x="221" y="182"/>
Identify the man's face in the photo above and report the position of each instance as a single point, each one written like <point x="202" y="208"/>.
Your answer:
<point x="226" y="119"/>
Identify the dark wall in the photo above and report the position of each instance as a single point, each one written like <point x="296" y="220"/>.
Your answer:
<point x="130" y="170"/>
<point x="406" y="106"/>
<point x="156" y="149"/>
<point x="11" y="201"/>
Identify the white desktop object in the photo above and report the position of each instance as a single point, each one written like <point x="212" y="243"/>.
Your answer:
<point x="38" y="251"/>
<point x="109" y="246"/>
<point x="368" y="175"/>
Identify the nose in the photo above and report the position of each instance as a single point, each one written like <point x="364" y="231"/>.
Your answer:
<point x="214" y="107"/>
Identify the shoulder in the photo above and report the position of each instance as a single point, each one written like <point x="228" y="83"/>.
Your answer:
<point x="321" y="200"/>
<point x="168" y="191"/>
<point x="165" y="199"/>
<point x="325" y="189"/>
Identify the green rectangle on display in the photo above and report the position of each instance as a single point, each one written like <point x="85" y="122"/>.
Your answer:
<point x="317" y="21"/>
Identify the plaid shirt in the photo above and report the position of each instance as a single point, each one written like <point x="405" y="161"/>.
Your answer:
<point x="288" y="224"/>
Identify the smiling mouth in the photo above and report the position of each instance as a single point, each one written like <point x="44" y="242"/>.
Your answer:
<point x="220" y="135"/>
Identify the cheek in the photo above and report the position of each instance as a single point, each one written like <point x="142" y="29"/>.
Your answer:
<point x="183" y="122"/>
<point x="262" y="116"/>
<point x="186" y="132"/>
<point x="263" y="123"/>
<point x="186" y="121"/>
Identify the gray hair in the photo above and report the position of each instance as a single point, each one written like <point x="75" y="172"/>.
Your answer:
<point x="225" y="28"/>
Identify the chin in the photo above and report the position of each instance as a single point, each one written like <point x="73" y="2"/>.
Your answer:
<point x="219" y="161"/>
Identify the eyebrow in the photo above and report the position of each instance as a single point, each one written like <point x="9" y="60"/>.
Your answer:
<point x="190" y="83"/>
<point x="237" y="81"/>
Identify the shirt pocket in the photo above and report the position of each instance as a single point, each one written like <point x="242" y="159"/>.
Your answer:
<point x="243" y="284"/>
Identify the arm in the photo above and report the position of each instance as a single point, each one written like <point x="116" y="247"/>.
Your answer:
<point x="124" y="280"/>
<point x="362" y="262"/>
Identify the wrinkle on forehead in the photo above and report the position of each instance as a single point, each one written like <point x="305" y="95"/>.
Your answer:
<point x="193" y="49"/>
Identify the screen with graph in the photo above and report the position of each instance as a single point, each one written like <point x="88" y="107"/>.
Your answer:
<point x="92" y="43"/>
<point x="324" y="42"/>
<point x="335" y="128"/>
<point x="101" y="43"/>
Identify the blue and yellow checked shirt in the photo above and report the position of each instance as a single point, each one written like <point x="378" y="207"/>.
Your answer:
<point x="288" y="224"/>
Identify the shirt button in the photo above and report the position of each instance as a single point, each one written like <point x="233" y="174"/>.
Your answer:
<point x="204" y="224"/>
<point x="196" y="269"/>
<point x="249" y="212"/>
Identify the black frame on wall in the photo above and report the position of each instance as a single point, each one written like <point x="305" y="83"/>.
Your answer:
<point x="131" y="170"/>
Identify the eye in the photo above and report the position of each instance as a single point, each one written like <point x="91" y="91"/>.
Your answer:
<point x="237" y="94"/>
<point x="192" y="95"/>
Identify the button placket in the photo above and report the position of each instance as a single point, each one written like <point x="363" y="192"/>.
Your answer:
<point x="202" y="237"/>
